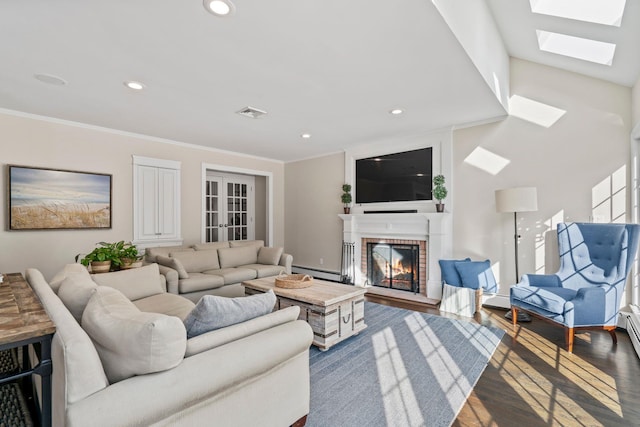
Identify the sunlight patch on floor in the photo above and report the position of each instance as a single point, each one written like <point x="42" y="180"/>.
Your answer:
<point x="545" y="398"/>
<point x="483" y="345"/>
<point x="544" y="395"/>
<point x="446" y="371"/>
<point x="597" y="384"/>
<point x="400" y="403"/>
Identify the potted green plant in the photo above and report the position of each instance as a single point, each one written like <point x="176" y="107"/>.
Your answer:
<point x="346" y="197"/>
<point x="129" y="256"/>
<point x="101" y="259"/>
<point x="439" y="192"/>
<point x="111" y="256"/>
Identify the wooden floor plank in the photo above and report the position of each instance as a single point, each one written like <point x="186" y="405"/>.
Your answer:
<point x="536" y="382"/>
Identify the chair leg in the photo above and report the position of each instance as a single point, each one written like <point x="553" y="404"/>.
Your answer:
<point x="514" y="317"/>
<point x="568" y="337"/>
<point x="612" y="332"/>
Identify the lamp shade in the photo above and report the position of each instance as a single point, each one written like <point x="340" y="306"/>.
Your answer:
<point x="520" y="199"/>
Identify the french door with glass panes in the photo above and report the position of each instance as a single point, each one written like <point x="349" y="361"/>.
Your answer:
<point x="229" y="207"/>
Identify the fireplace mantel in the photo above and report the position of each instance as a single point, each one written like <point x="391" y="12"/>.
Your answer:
<point x="435" y="228"/>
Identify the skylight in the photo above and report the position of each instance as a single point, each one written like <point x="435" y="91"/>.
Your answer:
<point x="576" y="47"/>
<point x="606" y="12"/>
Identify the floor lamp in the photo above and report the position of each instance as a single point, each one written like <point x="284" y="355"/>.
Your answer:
<point x="520" y="199"/>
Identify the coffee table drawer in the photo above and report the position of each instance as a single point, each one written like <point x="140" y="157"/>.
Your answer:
<point x="333" y="323"/>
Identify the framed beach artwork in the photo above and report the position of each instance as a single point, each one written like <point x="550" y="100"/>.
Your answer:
<point x="54" y="199"/>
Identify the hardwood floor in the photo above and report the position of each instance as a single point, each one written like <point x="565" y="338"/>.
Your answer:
<point x="536" y="382"/>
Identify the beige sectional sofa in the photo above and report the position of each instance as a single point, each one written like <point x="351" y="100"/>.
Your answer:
<point x="217" y="268"/>
<point x="127" y="360"/>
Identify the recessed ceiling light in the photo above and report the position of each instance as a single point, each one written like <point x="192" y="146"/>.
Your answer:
<point x="50" y="79"/>
<point x="134" y="85"/>
<point x="219" y="7"/>
<point x="305" y="135"/>
<point x="576" y="47"/>
<point x="396" y="111"/>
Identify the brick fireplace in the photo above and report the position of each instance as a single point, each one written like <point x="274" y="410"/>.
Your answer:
<point x="430" y="231"/>
<point x="405" y="264"/>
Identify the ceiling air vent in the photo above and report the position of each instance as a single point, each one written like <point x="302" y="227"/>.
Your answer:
<point x="251" y="112"/>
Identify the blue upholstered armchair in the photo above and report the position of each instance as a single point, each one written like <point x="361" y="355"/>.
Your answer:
<point x="595" y="260"/>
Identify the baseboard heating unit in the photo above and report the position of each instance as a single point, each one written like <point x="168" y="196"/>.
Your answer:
<point x="633" y="327"/>
<point x="318" y="274"/>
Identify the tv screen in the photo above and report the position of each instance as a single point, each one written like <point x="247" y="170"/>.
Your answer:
<point x="397" y="177"/>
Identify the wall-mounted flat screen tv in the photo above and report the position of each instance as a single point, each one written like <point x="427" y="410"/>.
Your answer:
<point x="397" y="177"/>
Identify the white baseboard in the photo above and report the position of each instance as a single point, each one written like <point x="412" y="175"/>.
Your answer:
<point x="333" y="276"/>
<point x="622" y="319"/>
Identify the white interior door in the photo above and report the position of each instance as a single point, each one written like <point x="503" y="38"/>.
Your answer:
<point x="229" y="207"/>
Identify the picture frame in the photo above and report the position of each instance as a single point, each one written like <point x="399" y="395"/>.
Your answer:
<point x="57" y="199"/>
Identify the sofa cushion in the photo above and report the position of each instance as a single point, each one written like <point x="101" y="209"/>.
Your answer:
<point x="241" y="255"/>
<point x="210" y="245"/>
<point x="200" y="282"/>
<point x="77" y="369"/>
<point x="265" y="270"/>
<point x="448" y="271"/>
<point x="129" y="341"/>
<point x="174" y="263"/>
<point x="169" y="304"/>
<point x="68" y="269"/>
<point x="134" y="283"/>
<point x="269" y="256"/>
<point x="197" y="261"/>
<point x="214" y="312"/>
<point x="234" y="275"/>
<point x="75" y="291"/>
<point x="150" y="254"/>
<point x="253" y="243"/>
<point x="477" y="274"/>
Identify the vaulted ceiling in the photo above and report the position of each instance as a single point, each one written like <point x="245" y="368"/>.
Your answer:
<point x="332" y="69"/>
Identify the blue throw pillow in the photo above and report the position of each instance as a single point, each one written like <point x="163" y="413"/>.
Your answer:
<point x="477" y="274"/>
<point x="214" y="312"/>
<point x="449" y="273"/>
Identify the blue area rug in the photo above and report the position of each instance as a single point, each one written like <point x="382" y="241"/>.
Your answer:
<point x="405" y="369"/>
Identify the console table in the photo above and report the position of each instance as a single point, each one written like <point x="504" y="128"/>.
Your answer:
<point x="23" y="321"/>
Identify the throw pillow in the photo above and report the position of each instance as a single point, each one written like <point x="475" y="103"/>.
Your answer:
<point x="197" y="261"/>
<point x="257" y="244"/>
<point x="75" y="292"/>
<point x="269" y="256"/>
<point x="241" y="255"/>
<point x="68" y="269"/>
<point x="173" y="263"/>
<point x="213" y="312"/>
<point x="477" y="274"/>
<point x="134" y="283"/>
<point x="449" y="273"/>
<point x="130" y="342"/>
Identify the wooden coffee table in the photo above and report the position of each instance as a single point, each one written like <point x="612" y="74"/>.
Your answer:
<point x="334" y="311"/>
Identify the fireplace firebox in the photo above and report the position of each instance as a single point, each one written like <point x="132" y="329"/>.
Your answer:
<point x="394" y="266"/>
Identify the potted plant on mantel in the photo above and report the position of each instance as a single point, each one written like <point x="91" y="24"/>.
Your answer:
<point x="439" y="192"/>
<point x="346" y="197"/>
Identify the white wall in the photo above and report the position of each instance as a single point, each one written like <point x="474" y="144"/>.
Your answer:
<point x="635" y="103"/>
<point x="579" y="164"/>
<point x="313" y="228"/>
<point x="32" y="141"/>
<point x="475" y="29"/>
